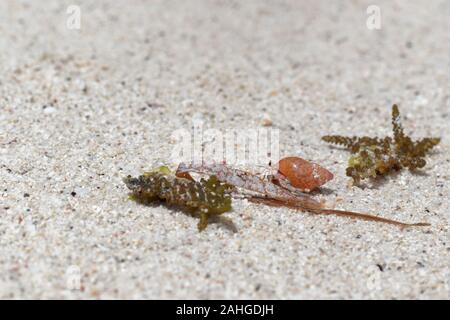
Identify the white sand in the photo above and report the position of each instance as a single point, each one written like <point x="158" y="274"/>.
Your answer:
<point x="75" y="118"/>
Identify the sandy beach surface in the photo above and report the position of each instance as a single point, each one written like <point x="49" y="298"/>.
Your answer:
<point x="83" y="107"/>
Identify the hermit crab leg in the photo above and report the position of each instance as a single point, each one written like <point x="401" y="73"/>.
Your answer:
<point x="284" y="183"/>
<point x="248" y="181"/>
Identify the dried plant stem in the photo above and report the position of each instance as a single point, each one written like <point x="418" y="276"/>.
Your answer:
<point x="342" y="213"/>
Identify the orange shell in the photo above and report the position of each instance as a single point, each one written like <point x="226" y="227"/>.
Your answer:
<point x="303" y="174"/>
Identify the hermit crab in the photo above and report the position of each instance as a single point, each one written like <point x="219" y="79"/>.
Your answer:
<point x="288" y="187"/>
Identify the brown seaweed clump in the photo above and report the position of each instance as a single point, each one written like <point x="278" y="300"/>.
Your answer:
<point x="375" y="157"/>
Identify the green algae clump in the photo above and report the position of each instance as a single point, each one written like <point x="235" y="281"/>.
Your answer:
<point x="376" y="157"/>
<point x="205" y="197"/>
